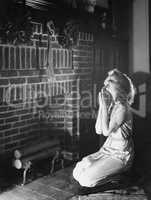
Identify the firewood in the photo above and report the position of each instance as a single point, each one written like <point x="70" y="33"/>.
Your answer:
<point x="35" y="147"/>
<point x="24" y="161"/>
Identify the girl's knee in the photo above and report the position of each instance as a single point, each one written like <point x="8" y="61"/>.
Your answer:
<point x="82" y="177"/>
<point x="75" y="173"/>
<point x="81" y="174"/>
<point x="86" y="181"/>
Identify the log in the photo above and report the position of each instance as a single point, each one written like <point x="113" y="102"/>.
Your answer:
<point x="35" y="147"/>
<point x="69" y="155"/>
<point x="26" y="161"/>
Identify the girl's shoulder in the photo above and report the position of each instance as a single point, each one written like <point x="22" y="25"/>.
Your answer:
<point x="120" y="108"/>
<point x="123" y="108"/>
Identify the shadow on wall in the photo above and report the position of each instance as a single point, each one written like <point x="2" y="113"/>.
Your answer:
<point x="89" y="140"/>
<point x="142" y="129"/>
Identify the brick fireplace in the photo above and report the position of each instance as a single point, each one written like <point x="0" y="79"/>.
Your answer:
<point x="32" y="103"/>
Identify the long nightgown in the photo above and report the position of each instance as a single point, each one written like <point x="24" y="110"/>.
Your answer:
<point x="115" y="156"/>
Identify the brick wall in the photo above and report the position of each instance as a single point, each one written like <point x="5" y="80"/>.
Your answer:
<point x="30" y="102"/>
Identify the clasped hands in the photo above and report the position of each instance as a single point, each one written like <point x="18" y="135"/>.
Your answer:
<point x="103" y="100"/>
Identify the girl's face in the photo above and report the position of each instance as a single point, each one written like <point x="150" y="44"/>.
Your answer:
<point x="111" y="85"/>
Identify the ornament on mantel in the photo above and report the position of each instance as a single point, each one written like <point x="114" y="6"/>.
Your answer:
<point x="17" y="31"/>
<point x="90" y="5"/>
<point x="103" y="20"/>
<point x="51" y="28"/>
<point x="67" y="35"/>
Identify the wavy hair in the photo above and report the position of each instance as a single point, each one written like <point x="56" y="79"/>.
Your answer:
<point x="124" y="85"/>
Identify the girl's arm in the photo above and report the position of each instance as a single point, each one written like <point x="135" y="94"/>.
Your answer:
<point x="98" y="124"/>
<point x="117" y="119"/>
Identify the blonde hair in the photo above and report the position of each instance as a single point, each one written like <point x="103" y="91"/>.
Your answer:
<point x="125" y="85"/>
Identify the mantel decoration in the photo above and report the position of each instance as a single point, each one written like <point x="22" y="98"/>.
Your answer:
<point x="15" y="24"/>
<point x="67" y="34"/>
<point x="90" y="5"/>
<point x="18" y="32"/>
<point x="17" y="29"/>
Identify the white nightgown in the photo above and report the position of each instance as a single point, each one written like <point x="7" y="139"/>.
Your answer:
<point x="115" y="156"/>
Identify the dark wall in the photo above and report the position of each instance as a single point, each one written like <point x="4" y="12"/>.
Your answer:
<point x="142" y="129"/>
